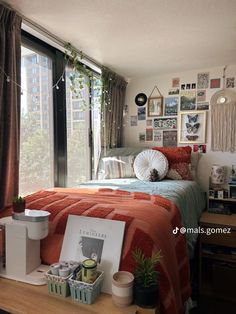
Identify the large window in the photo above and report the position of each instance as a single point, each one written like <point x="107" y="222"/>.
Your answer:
<point x="60" y="129"/>
<point x="36" y="141"/>
<point x="82" y="122"/>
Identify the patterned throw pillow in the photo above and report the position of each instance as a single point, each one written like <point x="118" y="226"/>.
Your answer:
<point x="179" y="159"/>
<point x="118" y="167"/>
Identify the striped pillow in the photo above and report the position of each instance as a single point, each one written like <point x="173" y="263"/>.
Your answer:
<point x="118" y="167"/>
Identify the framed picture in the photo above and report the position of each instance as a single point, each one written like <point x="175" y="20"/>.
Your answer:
<point x="155" y="106"/>
<point x="188" y="100"/>
<point x="192" y="127"/>
<point x="171" y="106"/>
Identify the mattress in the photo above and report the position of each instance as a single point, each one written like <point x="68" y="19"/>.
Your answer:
<point x="187" y="196"/>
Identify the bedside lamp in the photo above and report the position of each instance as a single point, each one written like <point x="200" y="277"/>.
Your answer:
<point x="217" y="175"/>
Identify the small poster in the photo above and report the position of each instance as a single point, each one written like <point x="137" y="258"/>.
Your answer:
<point x="100" y="239"/>
<point x="142" y="137"/>
<point x="203" y="106"/>
<point x="171" y="106"/>
<point x="175" y="82"/>
<point x="157" y="137"/>
<point x="188" y="100"/>
<point x="149" y="134"/>
<point x="170" y="138"/>
<point x="141" y="113"/>
<point x="133" y="120"/>
<point x="201" y="95"/>
<point x="173" y="91"/>
<point x="230" y="82"/>
<point x="202" y="80"/>
<point x="165" y="123"/>
<point x="215" y="83"/>
<point x="149" y="123"/>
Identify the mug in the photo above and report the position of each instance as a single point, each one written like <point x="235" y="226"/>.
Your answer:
<point x="122" y="288"/>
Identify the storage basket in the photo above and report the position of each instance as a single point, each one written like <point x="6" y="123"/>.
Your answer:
<point x="57" y="285"/>
<point x="85" y="292"/>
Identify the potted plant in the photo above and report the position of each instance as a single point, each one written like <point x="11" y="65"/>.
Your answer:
<point x="18" y="204"/>
<point x="146" y="279"/>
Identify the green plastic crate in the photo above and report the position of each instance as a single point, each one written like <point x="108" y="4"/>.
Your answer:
<point x="84" y="292"/>
<point x="57" y="285"/>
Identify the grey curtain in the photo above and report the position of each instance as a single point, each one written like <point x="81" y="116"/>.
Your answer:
<point x="114" y="88"/>
<point x="10" y="63"/>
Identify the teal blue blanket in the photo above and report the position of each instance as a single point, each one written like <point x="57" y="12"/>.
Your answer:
<point x="187" y="195"/>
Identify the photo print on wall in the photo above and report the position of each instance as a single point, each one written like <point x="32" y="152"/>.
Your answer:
<point x="142" y="137"/>
<point x="230" y="82"/>
<point x="188" y="100"/>
<point x="199" y="148"/>
<point x="171" y="106"/>
<point x="157" y="137"/>
<point x="141" y="113"/>
<point x="202" y="80"/>
<point x="175" y="82"/>
<point x="170" y="138"/>
<point x="149" y="123"/>
<point x="173" y="91"/>
<point x="133" y="120"/>
<point x="203" y="106"/>
<point x="201" y="95"/>
<point x="149" y="135"/>
<point x="215" y="83"/>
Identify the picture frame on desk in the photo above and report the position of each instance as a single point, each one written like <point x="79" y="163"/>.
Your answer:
<point x="220" y="194"/>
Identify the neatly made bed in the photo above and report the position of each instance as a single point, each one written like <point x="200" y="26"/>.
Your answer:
<point x="151" y="210"/>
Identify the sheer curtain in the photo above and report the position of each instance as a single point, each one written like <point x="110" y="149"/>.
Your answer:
<point x="114" y="88"/>
<point x="10" y="59"/>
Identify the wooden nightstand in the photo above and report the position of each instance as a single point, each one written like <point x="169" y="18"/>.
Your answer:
<point x="217" y="256"/>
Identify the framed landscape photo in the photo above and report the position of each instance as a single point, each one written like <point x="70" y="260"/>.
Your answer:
<point x="192" y="127"/>
<point x="155" y="106"/>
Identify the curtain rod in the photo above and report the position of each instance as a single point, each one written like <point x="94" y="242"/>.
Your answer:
<point x="29" y="24"/>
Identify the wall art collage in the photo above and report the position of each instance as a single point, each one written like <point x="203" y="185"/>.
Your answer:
<point x="179" y="117"/>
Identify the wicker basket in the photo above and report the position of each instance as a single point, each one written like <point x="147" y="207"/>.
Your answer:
<point x="85" y="292"/>
<point x="57" y="285"/>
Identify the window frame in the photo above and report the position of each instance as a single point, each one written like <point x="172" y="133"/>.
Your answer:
<point x="59" y="107"/>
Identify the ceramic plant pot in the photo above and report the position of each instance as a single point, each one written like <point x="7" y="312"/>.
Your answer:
<point x="122" y="288"/>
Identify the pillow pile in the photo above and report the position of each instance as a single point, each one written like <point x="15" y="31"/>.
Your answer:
<point x="179" y="159"/>
<point x="148" y="160"/>
<point x="118" y="167"/>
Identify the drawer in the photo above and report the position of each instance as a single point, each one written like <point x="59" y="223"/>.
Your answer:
<point x="224" y="239"/>
<point x="224" y="280"/>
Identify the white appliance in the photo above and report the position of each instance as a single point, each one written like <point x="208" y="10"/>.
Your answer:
<point x="23" y="232"/>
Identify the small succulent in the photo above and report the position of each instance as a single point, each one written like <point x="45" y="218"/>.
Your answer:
<point x="18" y="199"/>
<point x="145" y="273"/>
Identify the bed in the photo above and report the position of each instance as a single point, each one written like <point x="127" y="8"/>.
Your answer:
<point x="151" y="211"/>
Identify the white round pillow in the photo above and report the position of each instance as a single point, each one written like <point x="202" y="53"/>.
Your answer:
<point x="148" y="160"/>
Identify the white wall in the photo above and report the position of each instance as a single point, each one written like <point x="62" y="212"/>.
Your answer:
<point x="164" y="83"/>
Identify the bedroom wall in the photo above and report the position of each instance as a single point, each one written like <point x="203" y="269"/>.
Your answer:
<point x="164" y="83"/>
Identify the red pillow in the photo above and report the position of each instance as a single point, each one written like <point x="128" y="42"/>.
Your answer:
<point x="179" y="159"/>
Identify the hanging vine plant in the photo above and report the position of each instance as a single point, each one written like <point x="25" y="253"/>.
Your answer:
<point x="81" y="75"/>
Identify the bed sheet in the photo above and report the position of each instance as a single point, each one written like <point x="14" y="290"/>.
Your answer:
<point x="187" y="196"/>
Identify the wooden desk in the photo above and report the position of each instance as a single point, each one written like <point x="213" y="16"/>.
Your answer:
<point x="20" y="298"/>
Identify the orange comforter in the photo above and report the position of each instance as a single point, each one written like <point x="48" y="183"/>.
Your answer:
<point x="149" y="219"/>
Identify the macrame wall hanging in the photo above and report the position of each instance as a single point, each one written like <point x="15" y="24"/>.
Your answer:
<point x="223" y="119"/>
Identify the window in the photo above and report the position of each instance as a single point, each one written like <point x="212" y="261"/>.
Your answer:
<point x="56" y="125"/>
<point x="36" y="141"/>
